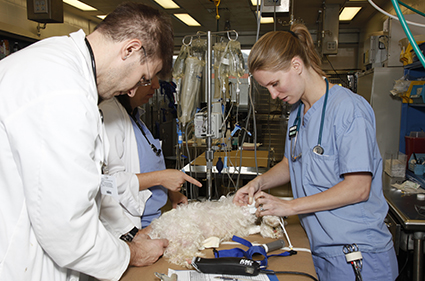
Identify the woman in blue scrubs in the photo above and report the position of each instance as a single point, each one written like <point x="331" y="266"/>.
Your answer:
<point x="331" y="159"/>
<point x="136" y="160"/>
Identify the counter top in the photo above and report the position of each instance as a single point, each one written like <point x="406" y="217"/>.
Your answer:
<point x="404" y="206"/>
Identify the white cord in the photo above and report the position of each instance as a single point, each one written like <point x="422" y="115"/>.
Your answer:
<point x="297" y="249"/>
<point x="391" y="16"/>
<point x="286" y="233"/>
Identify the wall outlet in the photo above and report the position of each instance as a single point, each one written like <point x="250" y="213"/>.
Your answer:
<point x="331" y="46"/>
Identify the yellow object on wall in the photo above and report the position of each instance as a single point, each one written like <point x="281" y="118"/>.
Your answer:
<point x="406" y="55"/>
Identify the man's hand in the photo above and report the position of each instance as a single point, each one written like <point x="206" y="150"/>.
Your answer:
<point x="146" y="251"/>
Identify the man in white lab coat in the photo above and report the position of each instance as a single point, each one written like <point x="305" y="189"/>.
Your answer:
<point x="52" y="147"/>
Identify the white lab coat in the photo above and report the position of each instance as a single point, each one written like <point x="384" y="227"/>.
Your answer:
<point x="123" y="160"/>
<point x="51" y="154"/>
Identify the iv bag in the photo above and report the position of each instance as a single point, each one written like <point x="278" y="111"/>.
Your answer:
<point x="199" y="48"/>
<point x="179" y="64"/>
<point x="218" y="53"/>
<point x="237" y="63"/>
<point x="190" y="88"/>
<point x="224" y="69"/>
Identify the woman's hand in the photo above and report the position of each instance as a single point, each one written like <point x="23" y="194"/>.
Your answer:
<point x="173" y="179"/>
<point x="177" y="198"/>
<point x="269" y="205"/>
<point x="245" y="195"/>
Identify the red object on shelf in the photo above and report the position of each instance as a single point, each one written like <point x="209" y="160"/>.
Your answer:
<point x="414" y="144"/>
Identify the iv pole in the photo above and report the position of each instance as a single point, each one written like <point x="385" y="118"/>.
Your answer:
<point x="209" y="153"/>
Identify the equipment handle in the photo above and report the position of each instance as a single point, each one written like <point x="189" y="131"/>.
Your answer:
<point x="275" y="245"/>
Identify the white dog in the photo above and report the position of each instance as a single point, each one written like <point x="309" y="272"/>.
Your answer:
<point x="188" y="226"/>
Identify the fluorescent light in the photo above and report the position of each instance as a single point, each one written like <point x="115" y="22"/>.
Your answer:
<point x="187" y="19"/>
<point x="266" y="19"/>
<point x="167" y="4"/>
<point x="348" y="13"/>
<point x="101" y="16"/>
<point x="254" y="2"/>
<point x="80" y="5"/>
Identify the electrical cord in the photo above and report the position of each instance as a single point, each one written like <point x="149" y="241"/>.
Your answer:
<point x="339" y="77"/>
<point x="288" y="272"/>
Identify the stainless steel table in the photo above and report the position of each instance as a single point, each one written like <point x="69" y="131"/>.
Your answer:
<point x="245" y="165"/>
<point x="404" y="208"/>
<point x="240" y="168"/>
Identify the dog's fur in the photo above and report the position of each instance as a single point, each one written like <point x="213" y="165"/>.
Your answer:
<point x="188" y="226"/>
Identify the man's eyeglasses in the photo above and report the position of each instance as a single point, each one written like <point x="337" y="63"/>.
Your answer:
<point x="145" y="82"/>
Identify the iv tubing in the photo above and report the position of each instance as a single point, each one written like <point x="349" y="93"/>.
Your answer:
<point x="391" y="16"/>
<point x="408" y="33"/>
<point x="209" y="153"/>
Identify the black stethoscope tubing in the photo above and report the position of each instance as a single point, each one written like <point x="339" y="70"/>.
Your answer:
<point x="93" y="62"/>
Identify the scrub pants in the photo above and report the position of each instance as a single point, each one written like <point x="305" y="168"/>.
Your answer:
<point x="376" y="266"/>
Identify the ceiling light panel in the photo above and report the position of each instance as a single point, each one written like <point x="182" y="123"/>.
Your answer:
<point x="348" y="13"/>
<point x="265" y="20"/>
<point x="79" y="5"/>
<point x="187" y="19"/>
<point x="167" y="4"/>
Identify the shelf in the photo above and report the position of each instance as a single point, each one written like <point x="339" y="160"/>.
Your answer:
<point x="415" y="65"/>
<point x="415" y="178"/>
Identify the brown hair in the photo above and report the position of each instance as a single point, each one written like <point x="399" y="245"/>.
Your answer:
<point x="149" y="25"/>
<point x="275" y="50"/>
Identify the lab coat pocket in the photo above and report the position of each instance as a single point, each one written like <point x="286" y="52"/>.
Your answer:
<point x="322" y="170"/>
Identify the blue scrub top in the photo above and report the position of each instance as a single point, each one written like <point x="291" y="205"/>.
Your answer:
<point x="150" y="162"/>
<point x="349" y="142"/>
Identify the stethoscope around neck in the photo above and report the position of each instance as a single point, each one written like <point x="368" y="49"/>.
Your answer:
<point x="293" y="131"/>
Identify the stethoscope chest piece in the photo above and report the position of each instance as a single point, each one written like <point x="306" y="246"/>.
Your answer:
<point x="318" y="150"/>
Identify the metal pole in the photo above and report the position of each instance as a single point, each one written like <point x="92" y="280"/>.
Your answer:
<point x="418" y="251"/>
<point x="209" y="154"/>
